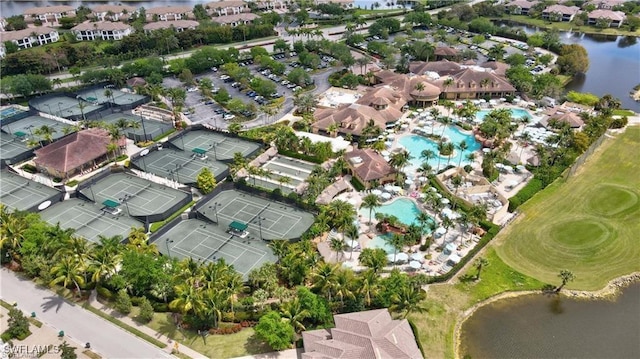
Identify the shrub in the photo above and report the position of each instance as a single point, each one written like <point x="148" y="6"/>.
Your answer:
<point x="160" y="307"/>
<point x="123" y="302"/>
<point x="17" y="325"/>
<point x="146" y="310"/>
<point x="57" y="179"/>
<point x="534" y="186"/>
<point x="619" y="122"/>
<point x="357" y="184"/>
<point x="29" y="168"/>
<point x="72" y="183"/>
<point x="424" y="247"/>
<point x="105" y="293"/>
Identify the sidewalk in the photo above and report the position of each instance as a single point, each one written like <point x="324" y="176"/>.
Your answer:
<point x="93" y="301"/>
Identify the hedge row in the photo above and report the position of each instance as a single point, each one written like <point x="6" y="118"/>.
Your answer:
<point x="300" y="156"/>
<point x="357" y="184"/>
<point x="534" y="186"/>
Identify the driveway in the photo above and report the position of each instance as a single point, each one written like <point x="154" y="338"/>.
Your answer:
<point x="106" y="338"/>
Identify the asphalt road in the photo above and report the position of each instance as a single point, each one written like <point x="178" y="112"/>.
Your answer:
<point x="83" y="326"/>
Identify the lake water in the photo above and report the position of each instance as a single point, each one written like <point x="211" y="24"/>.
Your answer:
<point x="539" y="326"/>
<point x="614" y="65"/>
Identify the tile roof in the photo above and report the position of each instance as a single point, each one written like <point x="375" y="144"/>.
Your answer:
<point x="116" y="9"/>
<point x="523" y="4"/>
<point x="561" y="9"/>
<point x="101" y="26"/>
<point x="21" y="34"/>
<point x="354" y="118"/>
<point x="607" y="14"/>
<point x="364" y="335"/>
<point x="369" y="166"/>
<point x="177" y="24"/>
<point x="49" y="10"/>
<point x="230" y="19"/>
<point x="74" y="150"/>
<point x="446" y="51"/>
<point x="169" y="10"/>
<point x="225" y="4"/>
<point x="443" y="67"/>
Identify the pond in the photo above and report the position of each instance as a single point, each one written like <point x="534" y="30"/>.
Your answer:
<point x="539" y="326"/>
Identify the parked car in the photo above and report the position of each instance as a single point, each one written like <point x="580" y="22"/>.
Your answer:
<point x="229" y="117"/>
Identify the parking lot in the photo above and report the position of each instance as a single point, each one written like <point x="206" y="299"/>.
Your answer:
<point x="204" y="112"/>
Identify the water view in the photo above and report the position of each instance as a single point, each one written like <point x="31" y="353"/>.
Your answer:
<point x="539" y="326"/>
<point x="416" y="144"/>
<point x="405" y="209"/>
<point x="614" y="64"/>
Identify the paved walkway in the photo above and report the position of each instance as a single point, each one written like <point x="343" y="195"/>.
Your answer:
<point x="82" y="326"/>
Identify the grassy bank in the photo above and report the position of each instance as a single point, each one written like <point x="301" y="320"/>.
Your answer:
<point x="587" y="224"/>
<point x="565" y="26"/>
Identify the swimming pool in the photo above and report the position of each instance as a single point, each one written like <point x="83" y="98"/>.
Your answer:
<point x="516" y="113"/>
<point x="381" y="242"/>
<point x="416" y="144"/>
<point x="405" y="209"/>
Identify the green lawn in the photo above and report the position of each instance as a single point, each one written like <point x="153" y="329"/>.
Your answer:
<point x="588" y="224"/>
<point x="213" y="346"/>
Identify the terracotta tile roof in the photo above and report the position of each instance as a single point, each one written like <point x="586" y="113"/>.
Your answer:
<point x="49" y="10"/>
<point x="116" y="9"/>
<point x="523" y="4"/>
<point x="169" y="10"/>
<point x="446" y="51"/>
<point x="230" y="19"/>
<point x="177" y="24"/>
<point x="574" y="120"/>
<point x="74" y="150"/>
<point x="607" y="14"/>
<point x="101" y="26"/>
<point x="443" y="67"/>
<point x="472" y="80"/>
<point x="561" y="9"/>
<point x="499" y="68"/>
<point x="364" y="335"/>
<point x="21" y="34"/>
<point x="225" y="4"/>
<point x="354" y="118"/>
<point x="369" y="166"/>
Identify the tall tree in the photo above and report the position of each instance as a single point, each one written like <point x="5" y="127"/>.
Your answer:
<point x="566" y="276"/>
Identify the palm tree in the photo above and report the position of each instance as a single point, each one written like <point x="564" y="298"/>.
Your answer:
<point x="352" y="233"/>
<point x="293" y="312"/>
<point x="566" y="276"/>
<point x="67" y="271"/>
<point x="46" y="132"/>
<point x="322" y="278"/>
<point x="336" y="244"/>
<point x="427" y="155"/>
<point x="423" y="219"/>
<point x="449" y="148"/>
<point x="446" y="223"/>
<point x="419" y="87"/>
<point x="462" y="146"/>
<point x="342" y="285"/>
<point x="282" y="180"/>
<point x="446" y="121"/>
<point x="456" y="181"/>
<point x="479" y="264"/>
<point x="368" y="285"/>
<point x="341" y="213"/>
<point x="409" y="299"/>
<point x="400" y="159"/>
<point x="370" y="201"/>
<point x="109" y="94"/>
<point x="13" y="230"/>
<point x="212" y="303"/>
<point x="397" y="241"/>
<point x="188" y="298"/>
<point x="279" y="247"/>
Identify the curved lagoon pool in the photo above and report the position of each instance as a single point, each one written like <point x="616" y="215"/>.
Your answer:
<point x="415" y="144"/>
<point x="516" y="113"/>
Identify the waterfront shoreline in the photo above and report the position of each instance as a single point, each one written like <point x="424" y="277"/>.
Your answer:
<point x="609" y="292"/>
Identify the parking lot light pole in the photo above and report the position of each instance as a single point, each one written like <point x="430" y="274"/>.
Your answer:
<point x="167" y="241"/>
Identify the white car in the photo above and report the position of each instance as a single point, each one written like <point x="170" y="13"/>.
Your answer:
<point x="229" y="117"/>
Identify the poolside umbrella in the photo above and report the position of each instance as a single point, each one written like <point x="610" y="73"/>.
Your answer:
<point x="421" y="122"/>
<point x="445" y="201"/>
<point x="391" y="258"/>
<point x="422" y="195"/>
<point x="441" y="230"/>
<point x="450" y="247"/>
<point x="348" y="264"/>
<point x="388" y="188"/>
<point x="422" y="179"/>
<point x="386" y="195"/>
<point x="404" y="126"/>
<point x="439" y="195"/>
<point x="433" y="189"/>
<point x="420" y="110"/>
<point x="520" y="168"/>
<point x="390" y="136"/>
<point x="376" y="192"/>
<point x="385" y="153"/>
<point x="417" y="257"/>
<point x="351" y="243"/>
<point x="408" y="181"/>
<point x="415" y="264"/>
<point x="396" y="188"/>
<point x="402" y="257"/>
<point x="486" y="150"/>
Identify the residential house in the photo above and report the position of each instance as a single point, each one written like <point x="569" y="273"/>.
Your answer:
<point x="609" y="17"/>
<point x="271" y="5"/>
<point x="169" y="13"/>
<point x="446" y="53"/>
<point x="49" y="15"/>
<point x="520" y="7"/>
<point x="176" y="25"/>
<point x="369" y="167"/>
<point x="362" y="335"/>
<point x="112" y="12"/>
<point x="74" y="153"/>
<point x="227" y="7"/>
<point x="30" y="37"/>
<point x="560" y="13"/>
<point x="235" y="20"/>
<point x="103" y="30"/>
<point x="605" y="4"/>
<point x="344" y="3"/>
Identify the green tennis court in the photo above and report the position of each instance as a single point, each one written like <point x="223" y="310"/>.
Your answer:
<point x="204" y="241"/>
<point x="63" y="106"/>
<point x="218" y="146"/>
<point x="266" y="219"/>
<point x="88" y="219"/>
<point x="152" y="128"/>
<point x="12" y="146"/>
<point x="139" y="196"/>
<point x="29" y="125"/>
<point x="20" y="193"/>
<point x="117" y="97"/>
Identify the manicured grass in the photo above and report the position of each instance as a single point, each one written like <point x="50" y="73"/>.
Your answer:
<point x="623" y="113"/>
<point x="588" y="224"/>
<point x="446" y="302"/>
<point x="213" y="346"/>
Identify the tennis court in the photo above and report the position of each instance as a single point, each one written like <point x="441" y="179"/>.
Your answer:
<point x="179" y="166"/>
<point x="138" y="196"/>
<point x="88" y="219"/>
<point x="216" y="145"/>
<point x="63" y="106"/>
<point x="96" y="95"/>
<point x="266" y="219"/>
<point x="152" y="128"/>
<point x="12" y="146"/>
<point x="9" y="111"/>
<point x="208" y="242"/>
<point x="29" y="125"/>
<point x="280" y="166"/>
<point x="20" y="193"/>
